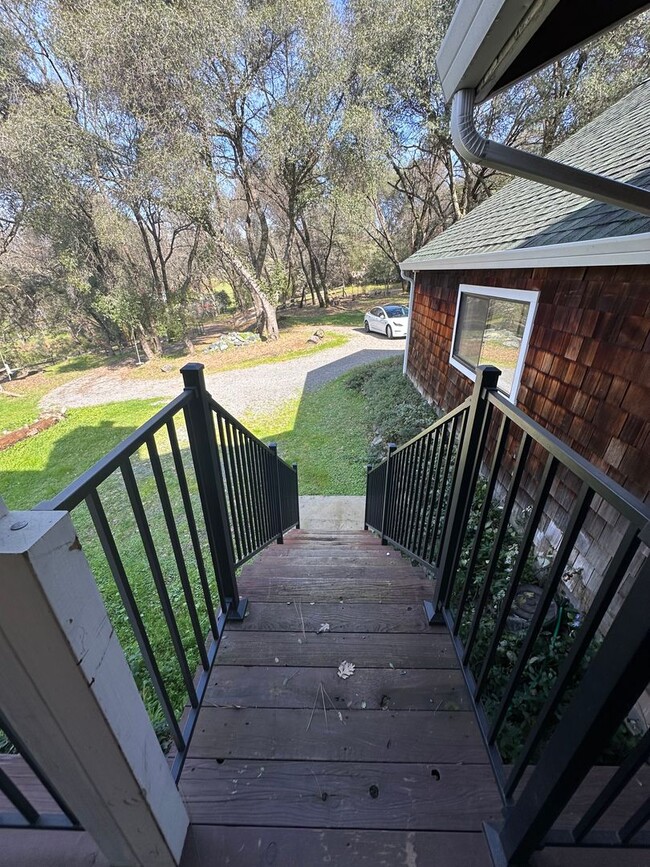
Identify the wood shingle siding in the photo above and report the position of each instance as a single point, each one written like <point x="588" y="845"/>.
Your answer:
<point x="587" y="371"/>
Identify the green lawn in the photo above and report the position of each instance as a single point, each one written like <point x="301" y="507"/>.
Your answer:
<point x="39" y="467"/>
<point x="325" y="432"/>
<point x="18" y="411"/>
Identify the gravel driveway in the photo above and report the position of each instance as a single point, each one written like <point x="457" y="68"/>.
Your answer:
<point x="253" y="388"/>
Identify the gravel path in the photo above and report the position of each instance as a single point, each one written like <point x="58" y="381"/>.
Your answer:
<point x="258" y="388"/>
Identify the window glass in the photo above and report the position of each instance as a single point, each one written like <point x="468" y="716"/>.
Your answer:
<point x="395" y="310"/>
<point x="490" y="330"/>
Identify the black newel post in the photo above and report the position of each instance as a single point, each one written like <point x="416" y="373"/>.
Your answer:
<point x="295" y="469"/>
<point x="275" y="473"/>
<point x="203" y="445"/>
<point x="469" y="463"/>
<point x="365" y="514"/>
<point x="388" y="486"/>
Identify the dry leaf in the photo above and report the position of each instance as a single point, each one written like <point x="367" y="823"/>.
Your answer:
<point x="364" y="705"/>
<point x="276" y="659"/>
<point x="346" y="669"/>
<point x="324" y="627"/>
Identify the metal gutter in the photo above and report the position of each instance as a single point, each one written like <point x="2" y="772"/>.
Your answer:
<point x="475" y="148"/>
<point x="621" y="250"/>
<point x="411" y="281"/>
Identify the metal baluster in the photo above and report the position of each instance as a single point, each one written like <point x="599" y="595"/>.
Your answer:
<point x="609" y="584"/>
<point x="522" y="455"/>
<point x="576" y="521"/>
<point x="158" y="578"/>
<point x="485" y="509"/>
<point x="191" y="523"/>
<point x="200" y="427"/>
<point x="107" y="541"/>
<point x="614" y="680"/>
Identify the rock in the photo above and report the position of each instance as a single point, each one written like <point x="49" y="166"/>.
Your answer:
<point x="166" y="368"/>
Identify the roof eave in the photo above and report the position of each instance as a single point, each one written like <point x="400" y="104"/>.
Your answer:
<point x="621" y="250"/>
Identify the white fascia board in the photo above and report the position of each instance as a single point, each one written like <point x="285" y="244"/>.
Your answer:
<point x="622" y="250"/>
<point x="477" y="34"/>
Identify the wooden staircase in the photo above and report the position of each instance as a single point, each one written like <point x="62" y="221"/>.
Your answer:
<point x="292" y="765"/>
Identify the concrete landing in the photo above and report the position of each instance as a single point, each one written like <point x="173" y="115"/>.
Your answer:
<point x="332" y="513"/>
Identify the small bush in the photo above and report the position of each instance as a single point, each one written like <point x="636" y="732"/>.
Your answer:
<point x="396" y="411"/>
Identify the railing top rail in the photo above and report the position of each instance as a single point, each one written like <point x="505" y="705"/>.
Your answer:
<point x="462" y="407"/>
<point x="240" y="427"/>
<point x="627" y="504"/>
<point x="77" y="490"/>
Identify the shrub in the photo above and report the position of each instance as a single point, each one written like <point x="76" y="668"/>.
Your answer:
<point x="396" y="411"/>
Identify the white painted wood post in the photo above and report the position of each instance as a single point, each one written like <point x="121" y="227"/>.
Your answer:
<point x="67" y="690"/>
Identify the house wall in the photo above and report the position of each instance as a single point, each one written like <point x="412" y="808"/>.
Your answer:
<point x="587" y="372"/>
<point x="586" y="379"/>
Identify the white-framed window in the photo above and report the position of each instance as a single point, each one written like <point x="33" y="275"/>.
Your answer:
<point x="493" y="326"/>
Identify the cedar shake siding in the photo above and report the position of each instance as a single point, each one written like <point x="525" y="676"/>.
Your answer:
<point x="586" y="379"/>
<point x="587" y="372"/>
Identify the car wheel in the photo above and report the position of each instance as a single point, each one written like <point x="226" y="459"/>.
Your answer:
<point x="389" y="332"/>
<point x="366" y="325"/>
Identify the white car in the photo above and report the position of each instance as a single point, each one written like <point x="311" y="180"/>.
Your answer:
<point x="391" y="320"/>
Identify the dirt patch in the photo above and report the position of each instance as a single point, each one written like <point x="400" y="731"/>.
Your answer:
<point x="29" y="430"/>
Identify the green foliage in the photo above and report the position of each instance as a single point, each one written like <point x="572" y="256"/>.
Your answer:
<point x="395" y="410"/>
<point x="549" y="651"/>
<point x="38" y="468"/>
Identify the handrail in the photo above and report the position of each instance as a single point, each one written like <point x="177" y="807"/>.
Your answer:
<point x="627" y="504"/>
<point x="439" y="422"/>
<point x="238" y="494"/>
<point x="76" y="491"/>
<point x="236" y="423"/>
<point x="452" y="492"/>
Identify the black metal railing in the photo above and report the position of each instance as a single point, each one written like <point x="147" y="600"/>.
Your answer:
<point x="166" y="518"/>
<point x="476" y="506"/>
<point x="36" y="806"/>
<point x="262" y="490"/>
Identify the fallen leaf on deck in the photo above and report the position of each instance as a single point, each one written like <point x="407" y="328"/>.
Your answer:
<point x="346" y="669"/>
<point x="324" y="627"/>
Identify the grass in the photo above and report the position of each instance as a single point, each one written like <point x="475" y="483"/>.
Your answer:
<point x="325" y="432"/>
<point x="37" y="468"/>
<point x="15" y="412"/>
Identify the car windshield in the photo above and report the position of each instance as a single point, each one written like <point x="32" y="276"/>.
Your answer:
<point x="393" y="310"/>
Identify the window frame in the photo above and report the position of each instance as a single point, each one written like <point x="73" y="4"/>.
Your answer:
<point x="530" y="296"/>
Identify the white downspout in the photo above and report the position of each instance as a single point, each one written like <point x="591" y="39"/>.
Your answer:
<point x="411" y="282"/>
<point x="475" y="148"/>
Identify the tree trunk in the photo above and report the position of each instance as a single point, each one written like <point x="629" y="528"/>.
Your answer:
<point x="151" y="343"/>
<point x="267" y="319"/>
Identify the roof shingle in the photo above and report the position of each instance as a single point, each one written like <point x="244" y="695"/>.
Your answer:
<point x="525" y="213"/>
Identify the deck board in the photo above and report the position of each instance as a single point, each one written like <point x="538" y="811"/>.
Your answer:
<point x="245" y="846"/>
<point x="392" y="771"/>
<point x="373" y="688"/>
<point x="341" y="617"/>
<point x="351" y="735"/>
<point x="365" y="650"/>
<point x="379" y="796"/>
